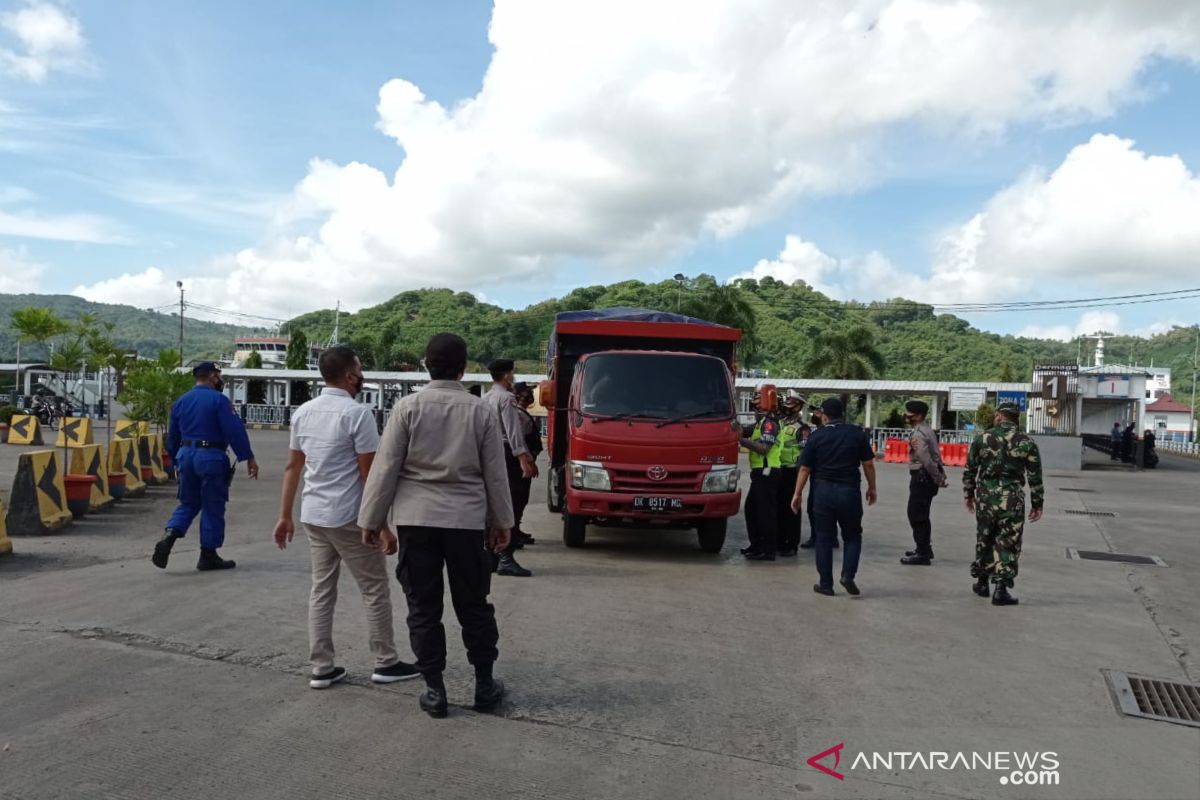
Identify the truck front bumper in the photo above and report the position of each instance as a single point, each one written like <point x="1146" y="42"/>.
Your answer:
<point x="585" y="503"/>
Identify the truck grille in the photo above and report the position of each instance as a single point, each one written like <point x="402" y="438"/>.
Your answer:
<point x="678" y="481"/>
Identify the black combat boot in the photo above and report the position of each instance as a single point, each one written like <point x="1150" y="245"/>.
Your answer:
<point x="911" y="553"/>
<point x="162" y="550"/>
<point x="509" y="566"/>
<point x="1002" y="597"/>
<point x="981" y="586"/>
<point x="209" y="559"/>
<point x="489" y="691"/>
<point x="913" y="558"/>
<point x="433" y="702"/>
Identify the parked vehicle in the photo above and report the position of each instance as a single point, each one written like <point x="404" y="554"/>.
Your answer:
<point x="642" y="430"/>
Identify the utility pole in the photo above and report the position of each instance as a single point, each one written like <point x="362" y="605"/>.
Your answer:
<point x="1195" y="364"/>
<point x="179" y="286"/>
<point x="680" y="279"/>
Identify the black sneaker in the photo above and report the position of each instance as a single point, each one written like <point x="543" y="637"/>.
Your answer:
<point x="747" y="551"/>
<point x="916" y="560"/>
<point x="760" y="556"/>
<point x="400" y="671"/>
<point x="335" y="675"/>
<point x="819" y="589"/>
<point x="850" y="586"/>
<point x="911" y="553"/>
<point x="788" y="553"/>
<point x="808" y="544"/>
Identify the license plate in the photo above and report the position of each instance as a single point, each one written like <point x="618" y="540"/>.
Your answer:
<point x="657" y="504"/>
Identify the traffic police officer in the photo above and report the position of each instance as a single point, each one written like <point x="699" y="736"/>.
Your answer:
<point x="994" y="491"/>
<point x="203" y="425"/>
<point x="832" y="458"/>
<point x="762" y="502"/>
<point x="791" y="427"/>
<point x="926" y="476"/>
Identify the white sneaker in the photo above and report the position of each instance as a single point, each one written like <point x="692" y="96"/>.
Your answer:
<point x="335" y="675"/>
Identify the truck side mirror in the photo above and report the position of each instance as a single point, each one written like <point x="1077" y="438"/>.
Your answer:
<point x="546" y="394"/>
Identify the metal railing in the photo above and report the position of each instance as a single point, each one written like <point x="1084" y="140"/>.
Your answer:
<point x="266" y="415"/>
<point x="1180" y="448"/>
<point x="879" y="436"/>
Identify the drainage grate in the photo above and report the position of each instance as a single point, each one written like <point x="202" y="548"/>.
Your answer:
<point x="1120" y="558"/>
<point x="1153" y="698"/>
<point x="1089" y="513"/>
<point x="1069" y="489"/>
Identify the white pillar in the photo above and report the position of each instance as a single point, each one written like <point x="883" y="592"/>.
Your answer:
<point x="287" y="393"/>
<point x="870" y="407"/>
<point x="935" y="419"/>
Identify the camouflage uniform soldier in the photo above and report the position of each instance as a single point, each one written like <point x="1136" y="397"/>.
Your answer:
<point x="993" y="487"/>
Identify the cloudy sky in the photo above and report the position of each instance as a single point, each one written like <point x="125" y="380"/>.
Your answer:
<point x="278" y="156"/>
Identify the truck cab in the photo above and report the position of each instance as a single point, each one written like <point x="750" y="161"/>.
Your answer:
<point x="643" y="434"/>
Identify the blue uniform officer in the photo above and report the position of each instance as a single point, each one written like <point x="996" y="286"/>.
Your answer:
<point x="203" y="426"/>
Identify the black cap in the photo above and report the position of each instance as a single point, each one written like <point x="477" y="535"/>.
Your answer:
<point x="521" y="387"/>
<point x="833" y="408"/>
<point x="917" y="407"/>
<point x="204" y="366"/>
<point x="500" y="366"/>
<point x="1009" y="409"/>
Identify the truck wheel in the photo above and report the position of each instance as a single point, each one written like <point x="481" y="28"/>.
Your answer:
<point x="554" y="495"/>
<point x="574" y="530"/>
<point x="711" y="533"/>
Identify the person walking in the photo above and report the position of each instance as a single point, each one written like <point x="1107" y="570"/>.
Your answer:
<point x="926" y="475"/>
<point x="1114" y="442"/>
<point x="791" y="440"/>
<point x="440" y="476"/>
<point x="998" y="463"/>
<point x="832" y="459"/>
<point x="532" y="434"/>
<point x="815" y="422"/>
<point x="203" y="425"/>
<point x="762" y="501"/>
<point x="333" y="442"/>
<point x="518" y="461"/>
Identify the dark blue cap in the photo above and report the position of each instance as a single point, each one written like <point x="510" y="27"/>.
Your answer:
<point x="204" y="366"/>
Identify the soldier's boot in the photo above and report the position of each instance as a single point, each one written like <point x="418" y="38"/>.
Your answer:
<point x="507" y="565"/>
<point x="911" y="553"/>
<point x="489" y="690"/>
<point x="162" y="550"/>
<point x="1002" y="597"/>
<point x="981" y="586"/>
<point x="209" y="559"/>
<point x="913" y="558"/>
<point x="433" y="701"/>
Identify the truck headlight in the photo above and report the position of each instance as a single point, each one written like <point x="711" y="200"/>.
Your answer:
<point x="721" y="479"/>
<point x="590" y="475"/>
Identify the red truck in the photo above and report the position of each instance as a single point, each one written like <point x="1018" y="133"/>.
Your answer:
<point x="642" y="429"/>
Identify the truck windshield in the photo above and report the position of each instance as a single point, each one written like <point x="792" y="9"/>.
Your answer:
<point x="655" y="386"/>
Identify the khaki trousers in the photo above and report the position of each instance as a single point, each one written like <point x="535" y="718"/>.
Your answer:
<point x="331" y="547"/>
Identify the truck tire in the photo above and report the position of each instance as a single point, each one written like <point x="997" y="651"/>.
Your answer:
<point x="554" y="494"/>
<point x="711" y="533"/>
<point x="574" y="530"/>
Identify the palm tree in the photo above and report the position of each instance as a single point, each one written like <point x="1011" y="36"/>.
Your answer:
<point x="34" y="324"/>
<point x="845" y="355"/>
<point x="725" y="305"/>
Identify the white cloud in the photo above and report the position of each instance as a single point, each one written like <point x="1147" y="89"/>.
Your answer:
<point x="49" y="39"/>
<point x="19" y="274"/>
<point x="1088" y="323"/>
<point x="63" y="227"/>
<point x="1109" y="214"/>
<point x="623" y="132"/>
<point x="869" y="277"/>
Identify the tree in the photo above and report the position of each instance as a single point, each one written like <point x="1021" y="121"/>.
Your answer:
<point x="845" y="355"/>
<point x="1007" y="373"/>
<point x="985" y="416"/>
<point x="297" y="358"/>
<point x="152" y="386"/>
<point x="725" y="305"/>
<point x="35" y="325"/>
<point x="256" y="391"/>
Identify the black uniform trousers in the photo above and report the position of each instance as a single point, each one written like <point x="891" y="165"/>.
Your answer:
<point x="789" y="522"/>
<point x="762" y="511"/>
<point x="921" y="491"/>
<point x="518" y="492"/>
<point x="423" y="552"/>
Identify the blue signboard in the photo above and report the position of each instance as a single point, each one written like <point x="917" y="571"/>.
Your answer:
<point x="1019" y="398"/>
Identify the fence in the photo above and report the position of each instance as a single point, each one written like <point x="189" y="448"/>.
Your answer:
<point x="1190" y="449"/>
<point x="879" y="436"/>
<point x="266" y="415"/>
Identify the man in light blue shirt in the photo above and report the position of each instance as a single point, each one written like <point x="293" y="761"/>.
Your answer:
<point x="333" y="440"/>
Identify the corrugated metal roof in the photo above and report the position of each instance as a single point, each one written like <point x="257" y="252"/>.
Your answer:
<point x="368" y="375"/>
<point x="879" y="387"/>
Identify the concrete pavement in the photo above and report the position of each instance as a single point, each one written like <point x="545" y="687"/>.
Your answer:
<point x="638" y="666"/>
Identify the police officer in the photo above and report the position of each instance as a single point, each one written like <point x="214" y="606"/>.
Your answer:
<point x="791" y="427"/>
<point x="926" y="476"/>
<point x="993" y="489"/>
<point x="832" y="458"/>
<point x="203" y="425"/>
<point x="522" y="468"/>
<point x="762" y="502"/>
<point x="532" y="434"/>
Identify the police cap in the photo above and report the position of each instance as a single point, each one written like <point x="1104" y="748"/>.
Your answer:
<point x="521" y="387"/>
<point x="203" y="368"/>
<point x="917" y="407"/>
<point x="500" y="367"/>
<point x="833" y="408"/>
<point x="793" y="398"/>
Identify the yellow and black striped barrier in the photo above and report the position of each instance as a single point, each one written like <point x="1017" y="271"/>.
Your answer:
<point x="74" y="432"/>
<point x="150" y="452"/>
<point x="131" y="429"/>
<point x="123" y="461"/>
<point x="38" y="503"/>
<point x="89" y="459"/>
<point x="5" y="542"/>
<point x="24" y="429"/>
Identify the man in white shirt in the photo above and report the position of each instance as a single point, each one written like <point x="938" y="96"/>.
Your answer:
<point x="333" y="440"/>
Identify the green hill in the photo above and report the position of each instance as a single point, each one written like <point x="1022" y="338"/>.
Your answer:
<point x="138" y="329"/>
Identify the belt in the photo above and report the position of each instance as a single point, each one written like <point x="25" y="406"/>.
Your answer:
<point x="203" y="444"/>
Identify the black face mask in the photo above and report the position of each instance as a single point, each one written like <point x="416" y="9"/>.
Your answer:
<point x="219" y="385"/>
<point x="356" y="382"/>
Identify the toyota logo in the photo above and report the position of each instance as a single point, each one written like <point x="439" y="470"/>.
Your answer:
<point x="657" y="473"/>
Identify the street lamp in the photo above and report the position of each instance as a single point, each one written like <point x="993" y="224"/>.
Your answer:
<point x="680" y="279"/>
<point x="179" y="286"/>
